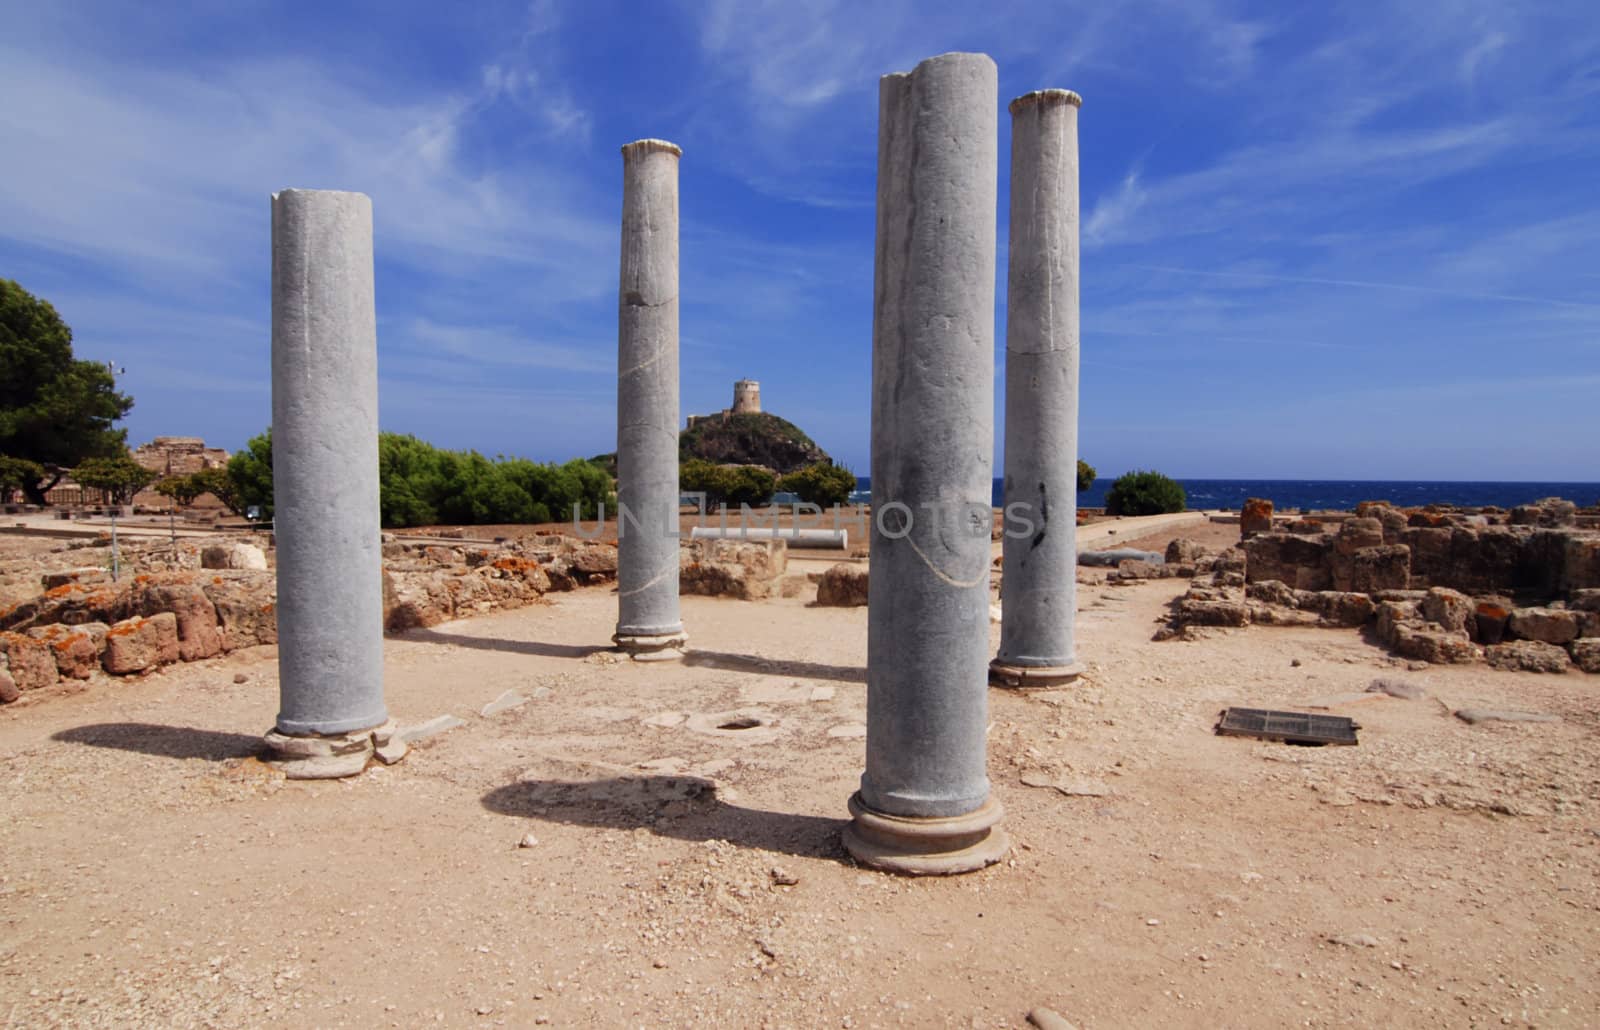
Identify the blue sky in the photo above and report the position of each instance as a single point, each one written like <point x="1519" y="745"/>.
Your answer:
<point x="1342" y="241"/>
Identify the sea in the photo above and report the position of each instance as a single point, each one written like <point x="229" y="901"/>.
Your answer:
<point x="1331" y="494"/>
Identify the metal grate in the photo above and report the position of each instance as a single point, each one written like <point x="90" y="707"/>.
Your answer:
<point x="1289" y="727"/>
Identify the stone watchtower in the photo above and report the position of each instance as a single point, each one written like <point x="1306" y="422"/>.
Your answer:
<point x="746" y="397"/>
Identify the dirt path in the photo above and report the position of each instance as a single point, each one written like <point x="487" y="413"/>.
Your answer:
<point x="153" y="874"/>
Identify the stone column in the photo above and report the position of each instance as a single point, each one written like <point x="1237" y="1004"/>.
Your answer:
<point x="648" y="623"/>
<point x="924" y="805"/>
<point x="1038" y="586"/>
<point x="325" y="487"/>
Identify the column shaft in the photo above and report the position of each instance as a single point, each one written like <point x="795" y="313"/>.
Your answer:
<point x="924" y="803"/>
<point x="325" y="464"/>
<point x="648" y="620"/>
<point x="1039" y="579"/>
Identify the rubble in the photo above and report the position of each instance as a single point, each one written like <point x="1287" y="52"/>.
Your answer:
<point x="1436" y="584"/>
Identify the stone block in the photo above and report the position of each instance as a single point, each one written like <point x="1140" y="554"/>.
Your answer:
<point x="1427" y="642"/>
<point x="1195" y="612"/>
<point x="77" y="649"/>
<point x="1581" y="567"/>
<point x="141" y="643"/>
<point x="1481" y="560"/>
<point x="1183" y="549"/>
<point x="1551" y="511"/>
<point x="1301" y="562"/>
<point x="1586" y="654"/>
<point x="843" y="586"/>
<point x="1338" y="607"/>
<point x="1358" y="533"/>
<point x="1449" y="609"/>
<point x="1432" y="562"/>
<point x="1373" y="569"/>
<point x="1490" y="616"/>
<point x="86" y="574"/>
<point x="1587" y="600"/>
<point x="30" y="662"/>
<point x="1272" y="591"/>
<point x="234" y="555"/>
<point x="1393" y="614"/>
<point x="1547" y="625"/>
<point x="1255" y="518"/>
<point x="413" y="600"/>
<point x="1528" y="656"/>
<point x="246" y="607"/>
<point x="199" y="631"/>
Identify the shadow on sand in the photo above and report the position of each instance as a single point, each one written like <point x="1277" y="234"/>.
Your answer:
<point x="163" y="741"/>
<point x="681" y="807"/>
<point x="750" y="663"/>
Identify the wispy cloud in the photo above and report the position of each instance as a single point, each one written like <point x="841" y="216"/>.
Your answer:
<point x="1366" y="284"/>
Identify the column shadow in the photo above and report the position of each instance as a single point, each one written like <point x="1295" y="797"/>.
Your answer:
<point x="535" y="648"/>
<point x="794" y="668"/>
<point x="164" y="741"/>
<point x="680" y="807"/>
<point x="756" y="664"/>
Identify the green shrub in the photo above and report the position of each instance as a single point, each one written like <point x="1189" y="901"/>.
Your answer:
<point x="422" y="485"/>
<point x="1086" y="475"/>
<point x="250" y="476"/>
<point x="119" y="478"/>
<point x="1145" y="493"/>
<point x="823" y="484"/>
<point x="730" y="485"/>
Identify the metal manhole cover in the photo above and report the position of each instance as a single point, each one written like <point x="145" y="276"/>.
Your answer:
<point x="1289" y="727"/>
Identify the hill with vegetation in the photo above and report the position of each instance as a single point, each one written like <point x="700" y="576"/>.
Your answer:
<point x="750" y="439"/>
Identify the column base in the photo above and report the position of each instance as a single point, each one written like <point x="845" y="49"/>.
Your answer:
<point x="668" y="647"/>
<point x="334" y="755"/>
<point x="1002" y="674"/>
<point x="926" y="846"/>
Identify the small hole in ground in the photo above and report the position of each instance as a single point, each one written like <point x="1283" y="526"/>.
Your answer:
<point x="744" y="722"/>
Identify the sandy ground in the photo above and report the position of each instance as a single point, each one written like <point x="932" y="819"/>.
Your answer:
<point x="153" y="873"/>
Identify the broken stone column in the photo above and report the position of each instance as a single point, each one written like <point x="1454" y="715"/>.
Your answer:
<point x="1039" y="587"/>
<point x="331" y="714"/>
<point x="924" y="804"/>
<point x="648" y="623"/>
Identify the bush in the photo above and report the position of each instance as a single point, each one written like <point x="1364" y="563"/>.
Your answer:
<point x="119" y="478"/>
<point x="823" y="484"/>
<point x="250" y="477"/>
<point x="1145" y="493"/>
<point x="421" y="485"/>
<point x="1086" y="475"/>
<point x="729" y="485"/>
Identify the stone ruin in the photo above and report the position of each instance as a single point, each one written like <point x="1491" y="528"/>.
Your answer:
<point x="204" y="599"/>
<point x="179" y="455"/>
<point x="1518" y="589"/>
<point x="746" y="401"/>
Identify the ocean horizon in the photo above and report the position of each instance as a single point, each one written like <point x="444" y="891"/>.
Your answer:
<point x="1335" y="494"/>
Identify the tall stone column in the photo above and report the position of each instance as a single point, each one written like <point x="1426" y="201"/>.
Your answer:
<point x="1038" y="588"/>
<point x="648" y="623"/>
<point x="325" y="487"/>
<point x="924" y="804"/>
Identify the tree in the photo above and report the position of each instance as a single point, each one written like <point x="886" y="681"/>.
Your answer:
<point x="823" y="484"/>
<point x="183" y="489"/>
<point x="216" y="482"/>
<point x="120" y="477"/>
<point x="1145" y="493"/>
<point x="726" y="485"/>
<point x="250" y="476"/>
<point x="55" y="410"/>
<point x="15" y="473"/>
<point x="1086" y="475"/>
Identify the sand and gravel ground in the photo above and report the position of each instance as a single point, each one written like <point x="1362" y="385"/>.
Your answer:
<point x="154" y="873"/>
